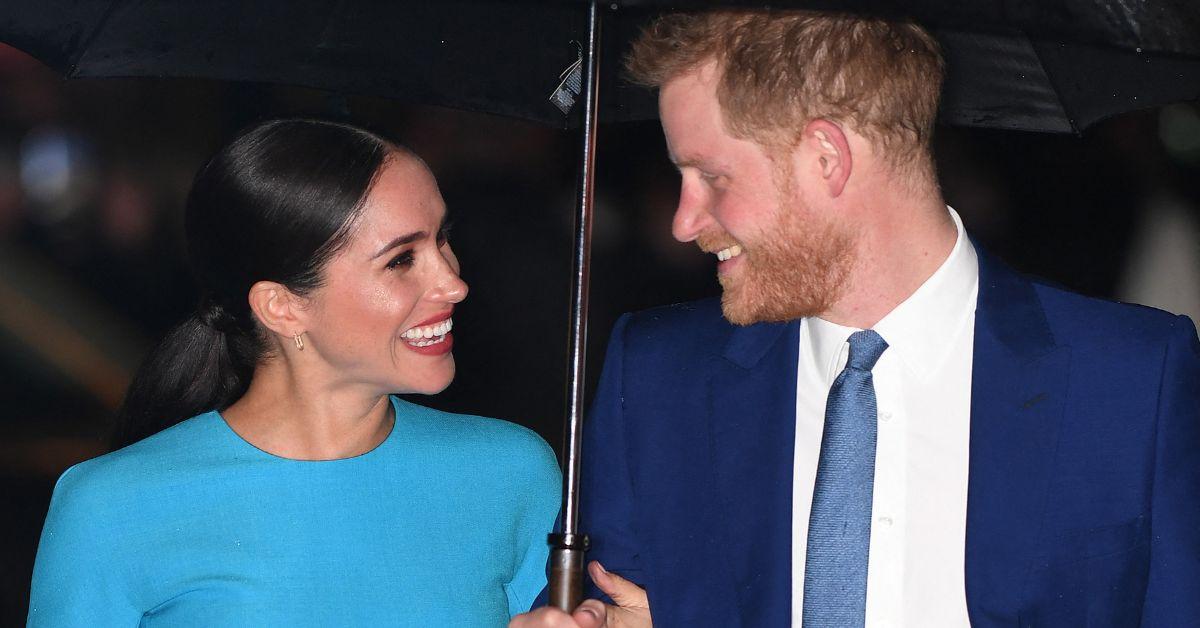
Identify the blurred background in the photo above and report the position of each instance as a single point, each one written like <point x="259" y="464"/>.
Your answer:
<point x="93" y="176"/>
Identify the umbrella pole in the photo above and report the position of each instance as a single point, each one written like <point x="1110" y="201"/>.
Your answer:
<point x="569" y="545"/>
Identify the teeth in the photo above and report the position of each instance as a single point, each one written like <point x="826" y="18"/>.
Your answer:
<point x="437" y="330"/>
<point x="426" y="343"/>
<point x="729" y="253"/>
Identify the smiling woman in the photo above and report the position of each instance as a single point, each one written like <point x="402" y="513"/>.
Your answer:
<point x="270" y="476"/>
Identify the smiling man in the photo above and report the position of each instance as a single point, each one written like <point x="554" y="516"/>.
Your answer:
<point x="879" y="424"/>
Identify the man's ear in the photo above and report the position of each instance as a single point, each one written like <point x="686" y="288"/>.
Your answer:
<point x="277" y="308"/>
<point x="826" y="142"/>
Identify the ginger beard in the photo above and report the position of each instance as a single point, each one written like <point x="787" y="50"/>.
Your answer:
<point x="792" y="269"/>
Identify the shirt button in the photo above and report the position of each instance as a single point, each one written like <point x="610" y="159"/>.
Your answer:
<point x="884" y="521"/>
<point x="885" y="416"/>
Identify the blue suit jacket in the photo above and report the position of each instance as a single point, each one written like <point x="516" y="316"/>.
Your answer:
<point x="1083" y="500"/>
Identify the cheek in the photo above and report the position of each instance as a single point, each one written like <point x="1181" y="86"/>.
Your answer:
<point x="738" y="215"/>
<point x="756" y="214"/>
<point x="367" y="308"/>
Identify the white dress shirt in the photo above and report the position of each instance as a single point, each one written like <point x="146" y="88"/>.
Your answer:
<point x="923" y="392"/>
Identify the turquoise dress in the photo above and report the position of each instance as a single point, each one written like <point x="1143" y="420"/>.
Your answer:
<point x="442" y="524"/>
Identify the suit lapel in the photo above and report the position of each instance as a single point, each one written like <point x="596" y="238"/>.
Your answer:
<point x="753" y="402"/>
<point x="1018" y="392"/>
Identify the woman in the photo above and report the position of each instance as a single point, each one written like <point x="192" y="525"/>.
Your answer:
<point x="290" y="487"/>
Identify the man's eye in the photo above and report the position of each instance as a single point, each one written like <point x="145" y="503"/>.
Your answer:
<point x="404" y="259"/>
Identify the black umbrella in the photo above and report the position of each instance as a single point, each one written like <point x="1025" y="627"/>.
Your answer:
<point x="1040" y="65"/>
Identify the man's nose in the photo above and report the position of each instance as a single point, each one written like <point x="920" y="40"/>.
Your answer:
<point x="692" y="216"/>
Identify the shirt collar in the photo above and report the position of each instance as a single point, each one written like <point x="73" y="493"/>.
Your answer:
<point x="918" y="329"/>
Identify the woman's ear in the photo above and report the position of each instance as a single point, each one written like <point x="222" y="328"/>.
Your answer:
<point x="277" y="308"/>
<point x="827" y="143"/>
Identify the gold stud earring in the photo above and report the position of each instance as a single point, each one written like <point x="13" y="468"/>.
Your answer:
<point x="299" y="340"/>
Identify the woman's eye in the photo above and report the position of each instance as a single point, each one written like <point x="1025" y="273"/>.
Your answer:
<point x="443" y="235"/>
<point x="404" y="259"/>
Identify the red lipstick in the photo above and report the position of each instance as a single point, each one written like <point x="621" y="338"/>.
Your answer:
<point x="436" y="319"/>
<point x="439" y="348"/>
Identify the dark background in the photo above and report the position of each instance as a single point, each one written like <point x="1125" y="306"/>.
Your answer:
<point x="93" y="176"/>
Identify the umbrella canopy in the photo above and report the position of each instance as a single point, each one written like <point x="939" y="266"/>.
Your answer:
<point x="1040" y="65"/>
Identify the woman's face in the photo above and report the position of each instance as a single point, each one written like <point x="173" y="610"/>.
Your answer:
<point x="382" y="316"/>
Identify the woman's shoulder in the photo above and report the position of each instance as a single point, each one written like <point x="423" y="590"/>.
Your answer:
<point x="131" y="469"/>
<point x="470" y="435"/>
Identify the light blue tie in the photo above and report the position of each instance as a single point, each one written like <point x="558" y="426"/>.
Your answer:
<point x="839" y="528"/>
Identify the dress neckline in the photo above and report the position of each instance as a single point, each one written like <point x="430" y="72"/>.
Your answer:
<point x="375" y="451"/>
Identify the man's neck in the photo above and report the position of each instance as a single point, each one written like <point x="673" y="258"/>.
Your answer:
<point x="898" y="249"/>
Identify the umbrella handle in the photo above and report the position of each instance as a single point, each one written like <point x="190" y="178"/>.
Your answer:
<point x="566" y="570"/>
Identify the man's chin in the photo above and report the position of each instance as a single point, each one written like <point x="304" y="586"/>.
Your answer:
<point x="734" y="305"/>
<point x="737" y="311"/>
<point x="740" y="310"/>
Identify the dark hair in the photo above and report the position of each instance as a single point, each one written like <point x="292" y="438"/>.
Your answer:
<point x="275" y="204"/>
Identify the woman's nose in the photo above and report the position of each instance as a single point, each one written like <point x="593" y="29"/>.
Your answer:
<point x="450" y="287"/>
<point x="453" y="289"/>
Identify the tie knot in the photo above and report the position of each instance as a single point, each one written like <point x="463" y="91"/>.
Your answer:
<point x="865" y="348"/>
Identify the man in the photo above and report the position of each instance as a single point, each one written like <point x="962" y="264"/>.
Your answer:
<point x="880" y="424"/>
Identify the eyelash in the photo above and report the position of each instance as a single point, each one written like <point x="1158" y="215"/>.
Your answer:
<point x="406" y="258"/>
<point x="403" y="259"/>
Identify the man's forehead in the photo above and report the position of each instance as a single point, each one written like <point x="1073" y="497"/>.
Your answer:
<point x="687" y="111"/>
<point x="700" y="79"/>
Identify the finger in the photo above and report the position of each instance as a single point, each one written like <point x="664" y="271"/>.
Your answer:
<point x="625" y="593"/>
<point x="590" y="614"/>
<point x="545" y="617"/>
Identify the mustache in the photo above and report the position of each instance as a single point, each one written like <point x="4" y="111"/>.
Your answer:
<point x="714" y="240"/>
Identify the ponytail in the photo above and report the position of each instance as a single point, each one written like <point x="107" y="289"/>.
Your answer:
<point x="274" y="204"/>
<point x="204" y="363"/>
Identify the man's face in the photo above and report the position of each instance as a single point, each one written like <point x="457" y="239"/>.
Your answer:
<point x="780" y="257"/>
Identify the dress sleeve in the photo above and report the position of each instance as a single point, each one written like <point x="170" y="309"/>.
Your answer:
<point x="78" y="578"/>
<point x="544" y="497"/>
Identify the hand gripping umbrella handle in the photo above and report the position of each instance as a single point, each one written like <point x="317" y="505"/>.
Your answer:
<point x="568" y="547"/>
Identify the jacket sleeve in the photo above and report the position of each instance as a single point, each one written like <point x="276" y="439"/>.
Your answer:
<point x="1173" y="587"/>
<point x="607" y="500"/>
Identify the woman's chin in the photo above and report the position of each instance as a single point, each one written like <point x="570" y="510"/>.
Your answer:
<point x="430" y="383"/>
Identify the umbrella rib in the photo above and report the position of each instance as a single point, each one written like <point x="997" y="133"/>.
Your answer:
<point x="103" y="22"/>
<point x="1052" y="78"/>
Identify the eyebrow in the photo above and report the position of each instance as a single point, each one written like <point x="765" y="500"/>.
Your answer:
<point x="409" y="238"/>
<point x="689" y="161"/>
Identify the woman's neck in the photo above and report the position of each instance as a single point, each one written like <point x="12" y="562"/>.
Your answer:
<point x="284" y="415"/>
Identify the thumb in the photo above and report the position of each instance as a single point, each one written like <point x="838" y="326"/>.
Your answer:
<point x="625" y="593"/>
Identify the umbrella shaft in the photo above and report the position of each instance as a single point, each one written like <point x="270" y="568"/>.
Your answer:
<point x="577" y="343"/>
<point x="567" y="556"/>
